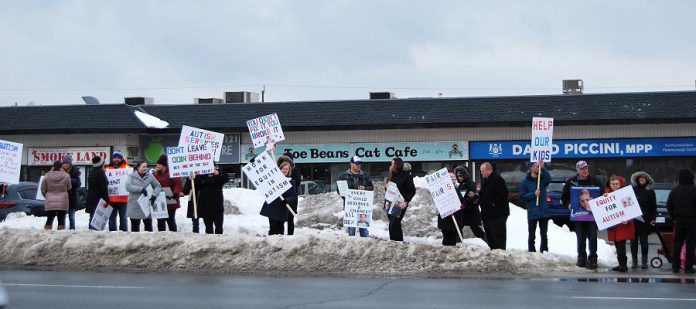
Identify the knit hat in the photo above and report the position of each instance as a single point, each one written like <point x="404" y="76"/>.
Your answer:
<point x="117" y="154"/>
<point x="162" y="160"/>
<point x="97" y="161"/>
<point x="67" y="159"/>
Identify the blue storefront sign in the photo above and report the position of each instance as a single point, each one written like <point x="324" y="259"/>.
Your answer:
<point x="593" y="148"/>
<point x="369" y="152"/>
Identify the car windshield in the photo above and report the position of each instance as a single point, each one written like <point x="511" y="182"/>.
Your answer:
<point x="27" y="194"/>
<point x="661" y="196"/>
<point x="556" y="187"/>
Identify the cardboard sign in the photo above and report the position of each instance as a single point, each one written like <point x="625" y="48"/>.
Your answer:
<point x="144" y="201"/>
<point x="615" y="208"/>
<point x="443" y="192"/>
<point x="342" y="187"/>
<point x="39" y="195"/>
<point x="580" y="209"/>
<point x="266" y="177"/>
<point x="169" y="195"/>
<point x="358" y="208"/>
<point x="542" y="139"/>
<point x="196" y="136"/>
<point x="10" y="161"/>
<point x="190" y="160"/>
<point x="101" y="216"/>
<point x="393" y="200"/>
<point x="159" y="209"/>
<point x="117" y="181"/>
<point x="265" y="130"/>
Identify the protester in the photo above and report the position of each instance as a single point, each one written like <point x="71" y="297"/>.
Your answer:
<point x="494" y="206"/>
<point x="76" y="183"/>
<point x="584" y="230"/>
<point x="277" y="211"/>
<point x="357" y="180"/>
<point x="136" y="185"/>
<point x="55" y="189"/>
<point x="118" y="203"/>
<point x="450" y="235"/>
<point x="681" y="205"/>
<point x="643" y="188"/>
<point x="622" y="232"/>
<point x="404" y="182"/>
<point x="211" y="200"/>
<point x="174" y="184"/>
<point x="98" y="188"/>
<point x="296" y="175"/>
<point x="538" y="212"/>
<point x="195" y="220"/>
<point x="471" y="213"/>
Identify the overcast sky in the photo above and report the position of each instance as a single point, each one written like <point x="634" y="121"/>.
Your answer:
<point x="54" y="52"/>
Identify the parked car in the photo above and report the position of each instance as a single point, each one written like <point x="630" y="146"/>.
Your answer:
<point x="663" y="221"/>
<point x="560" y="214"/>
<point x="20" y="197"/>
<point x="4" y="301"/>
<point x="311" y="187"/>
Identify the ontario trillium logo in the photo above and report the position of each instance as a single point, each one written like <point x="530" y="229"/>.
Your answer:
<point x="495" y="149"/>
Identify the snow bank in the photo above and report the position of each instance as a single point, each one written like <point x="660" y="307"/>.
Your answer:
<point x="151" y="121"/>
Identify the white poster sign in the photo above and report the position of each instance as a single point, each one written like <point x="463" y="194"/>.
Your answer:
<point x="117" y="181"/>
<point x="265" y="130"/>
<point x="39" y="195"/>
<point x="159" y="209"/>
<point x="192" y="159"/>
<point x="266" y="177"/>
<point x="542" y="139"/>
<point x="443" y="192"/>
<point x="394" y="201"/>
<point x="196" y="136"/>
<point x="615" y="208"/>
<point x="358" y="208"/>
<point x="80" y="155"/>
<point x="101" y="215"/>
<point x="10" y="161"/>
<point x="144" y="201"/>
<point x="342" y="187"/>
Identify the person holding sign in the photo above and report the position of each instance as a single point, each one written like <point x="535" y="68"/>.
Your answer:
<point x="296" y="175"/>
<point x="537" y="214"/>
<point x="404" y="182"/>
<point x="98" y="186"/>
<point x="494" y="206"/>
<point x="584" y="230"/>
<point x="137" y="184"/>
<point x="471" y="213"/>
<point x="356" y="180"/>
<point x="642" y="187"/>
<point x="211" y="201"/>
<point x="277" y="211"/>
<point x="446" y="225"/>
<point x="118" y="203"/>
<point x="622" y="232"/>
<point x="681" y="205"/>
<point x="55" y="188"/>
<point x="195" y="221"/>
<point x="172" y="188"/>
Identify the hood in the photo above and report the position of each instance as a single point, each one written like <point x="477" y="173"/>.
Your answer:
<point x="686" y="177"/>
<point x="287" y="159"/>
<point x="622" y="181"/>
<point x="460" y="170"/>
<point x="634" y="180"/>
<point x="55" y="175"/>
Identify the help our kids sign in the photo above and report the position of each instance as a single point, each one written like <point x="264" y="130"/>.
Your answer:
<point x="542" y="139"/>
<point x="190" y="160"/>
<point x="615" y="208"/>
<point x="196" y="136"/>
<point x="443" y="192"/>
<point x="358" y="208"/>
<point x="266" y="177"/>
<point x="265" y="130"/>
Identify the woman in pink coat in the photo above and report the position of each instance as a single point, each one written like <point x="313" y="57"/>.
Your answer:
<point x="55" y="189"/>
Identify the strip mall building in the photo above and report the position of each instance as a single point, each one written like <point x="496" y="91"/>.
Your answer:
<point x="616" y="133"/>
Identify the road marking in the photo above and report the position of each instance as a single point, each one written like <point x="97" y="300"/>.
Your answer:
<point x="74" y="286"/>
<point x="628" y="298"/>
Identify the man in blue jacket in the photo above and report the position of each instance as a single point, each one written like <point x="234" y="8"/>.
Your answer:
<point x="536" y="213"/>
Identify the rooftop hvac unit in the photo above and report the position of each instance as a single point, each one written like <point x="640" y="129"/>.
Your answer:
<point x="208" y="101"/>
<point x="241" y="97"/>
<point x="382" y="95"/>
<point x="139" y="101"/>
<point x="572" y="86"/>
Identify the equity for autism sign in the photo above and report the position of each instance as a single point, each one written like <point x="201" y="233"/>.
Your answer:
<point x="542" y="139"/>
<point x="615" y="208"/>
<point x="265" y="130"/>
<point x="196" y="136"/>
<point x="190" y="160"/>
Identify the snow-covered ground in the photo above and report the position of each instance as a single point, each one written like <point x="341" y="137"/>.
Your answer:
<point x="319" y="243"/>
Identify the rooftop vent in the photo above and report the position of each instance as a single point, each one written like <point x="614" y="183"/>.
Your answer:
<point x="139" y="101"/>
<point x="382" y="95"/>
<point x="572" y="86"/>
<point x="241" y="97"/>
<point x="208" y="101"/>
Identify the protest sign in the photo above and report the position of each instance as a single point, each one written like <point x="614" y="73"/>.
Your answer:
<point x="542" y="139"/>
<point x="266" y="177"/>
<point x="394" y="201"/>
<point x="443" y="192"/>
<point x="265" y="130"/>
<point x="196" y="136"/>
<point x="101" y="216"/>
<point x="159" y="208"/>
<point x="618" y="206"/>
<point x="358" y="208"/>
<point x="171" y="199"/>
<point x="10" y="161"/>
<point x="342" y="187"/>
<point x="144" y="201"/>
<point x="39" y="194"/>
<point x="190" y="160"/>
<point x="117" y="181"/>
<point x="580" y="197"/>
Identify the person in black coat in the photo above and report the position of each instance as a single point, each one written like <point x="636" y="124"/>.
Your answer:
<point x="450" y="236"/>
<point x="186" y="190"/>
<point x="494" y="207"/>
<point x="277" y="211"/>
<point x="296" y="176"/>
<point x="681" y="205"/>
<point x="211" y="200"/>
<point x="72" y="193"/>
<point x="471" y="213"/>
<point x="98" y="185"/>
<point x="642" y="186"/>
<point x="404" y="182"/>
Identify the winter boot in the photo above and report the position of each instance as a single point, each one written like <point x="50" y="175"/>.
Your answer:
<point x="622" y="265"/>
<point x="581" y="262"/>
<point x="48" y="227"/>
<point x="592" y="265"/>
<point x="61" y="227"/>
<point x="644" y="262"/>
<point x="634" y="262"/>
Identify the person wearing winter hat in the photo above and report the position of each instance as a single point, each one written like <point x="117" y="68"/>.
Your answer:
<point x="356" y="180"/>
<point x="296" y="175"/>
<point x="98" y="187"/>
<point x="172" y="189"/>
<point x="76" y="184"/>
<point x="277" y="211"/>
<point x="538" y="213"/>
<point x="681" y="205"/>
<point x="118" y="202"/>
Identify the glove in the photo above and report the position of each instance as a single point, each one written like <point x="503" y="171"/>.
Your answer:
<point x="144" y="192"/>
<point x="152" y="200"/>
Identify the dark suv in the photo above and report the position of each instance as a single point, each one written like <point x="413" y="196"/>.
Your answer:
<point x="663" y="221"/>
<point x="19" y="197"/>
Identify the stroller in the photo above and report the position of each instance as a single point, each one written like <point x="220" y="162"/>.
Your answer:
<point x="666" y="242"/>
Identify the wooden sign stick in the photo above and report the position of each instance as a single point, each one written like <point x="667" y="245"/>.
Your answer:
<point x="456" y="225"/>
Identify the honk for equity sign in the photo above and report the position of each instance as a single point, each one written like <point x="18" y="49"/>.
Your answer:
<point x="80" y="155"/>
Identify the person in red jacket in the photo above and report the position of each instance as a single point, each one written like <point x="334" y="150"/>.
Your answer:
<point x="622" y="232"/>
<point x="119" y="203"/>
<point x="172" y="193"/>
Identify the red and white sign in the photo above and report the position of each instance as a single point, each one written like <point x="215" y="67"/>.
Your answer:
<point x="542" y="139"/>
<point x="617" y="207"/>
<point x="80" y="155"/>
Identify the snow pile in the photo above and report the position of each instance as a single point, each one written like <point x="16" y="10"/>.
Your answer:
<point x="151" y="121"/>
